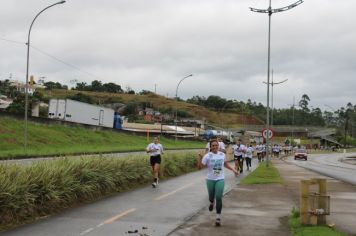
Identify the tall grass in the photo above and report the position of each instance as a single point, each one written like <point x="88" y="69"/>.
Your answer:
<point x="307" y="230"/>
<point x="45" y="187"/>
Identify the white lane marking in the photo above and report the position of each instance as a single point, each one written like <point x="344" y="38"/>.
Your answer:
<point x="87" y="231"/>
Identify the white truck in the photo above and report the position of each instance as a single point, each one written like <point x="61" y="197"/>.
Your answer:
<point x="80" y="112"/>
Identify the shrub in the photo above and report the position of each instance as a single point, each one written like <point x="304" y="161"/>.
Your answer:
<point x="45" y="187"/>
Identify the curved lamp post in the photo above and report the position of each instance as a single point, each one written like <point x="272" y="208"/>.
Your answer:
<point x="177" y="101"/>
<point x="270" y="11"/>
<point x="27" y="68"/>
<point x="272" y="84"/>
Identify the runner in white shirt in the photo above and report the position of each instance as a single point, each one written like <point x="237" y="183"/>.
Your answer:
<point x="249" y="154"/>
<point x="259" y="150"/>
<point x="215" y="161"/>
<point x="238" y="150"/>
<point x="264" y="152"/>
<point x="155" y="150"/>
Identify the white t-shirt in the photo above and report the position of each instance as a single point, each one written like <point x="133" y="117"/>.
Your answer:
<point x="249" y="152"/>
<point x="259" y="148"/>
<point x="215" y="164"/>
<point x="155" y="149"/>
<point x="238" y="149"/>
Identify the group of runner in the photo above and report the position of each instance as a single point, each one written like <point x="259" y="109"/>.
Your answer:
<point x="214" y="158"/>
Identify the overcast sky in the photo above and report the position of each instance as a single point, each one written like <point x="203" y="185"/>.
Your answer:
<point x="143" y="43"/>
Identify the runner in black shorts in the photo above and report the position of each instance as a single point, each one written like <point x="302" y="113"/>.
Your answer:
<point x="155" y="150"/>
<point x="155" y="160"/>
<point x="238" y="150"/>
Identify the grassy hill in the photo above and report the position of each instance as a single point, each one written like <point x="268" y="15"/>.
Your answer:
<point x="199" y="112"/>
<point x="46" y="140"/>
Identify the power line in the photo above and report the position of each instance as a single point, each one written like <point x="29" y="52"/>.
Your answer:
<point x="12" y="41"/>
<point x="52" y="57"/>
<point x="65" y="63"/>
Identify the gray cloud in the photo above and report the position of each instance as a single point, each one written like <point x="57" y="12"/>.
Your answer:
<point x="140" y="43"/>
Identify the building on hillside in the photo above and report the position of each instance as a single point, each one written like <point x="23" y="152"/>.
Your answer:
<point x="192" y="123"/>
<point x="4" y="102"/>
<point x="149" y="114"/>
<point x="21" y="87"/>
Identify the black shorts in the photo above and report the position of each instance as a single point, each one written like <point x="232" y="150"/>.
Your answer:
<point x="155" y="160"/>
<point x="237" y="158"/>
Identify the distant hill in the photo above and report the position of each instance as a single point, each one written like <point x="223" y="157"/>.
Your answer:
<point x="157" y="101"/>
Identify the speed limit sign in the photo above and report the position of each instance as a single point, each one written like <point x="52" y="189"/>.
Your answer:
<point x="270" y="133"/>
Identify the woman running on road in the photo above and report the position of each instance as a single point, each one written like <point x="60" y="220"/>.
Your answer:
<point x="155" y="150"/>
<point x="215" y="161"/>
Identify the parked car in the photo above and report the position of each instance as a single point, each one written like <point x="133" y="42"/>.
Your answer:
<point x="300" y="154"/>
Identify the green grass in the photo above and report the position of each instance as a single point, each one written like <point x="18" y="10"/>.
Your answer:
<point x="263" y="175"/>
<point x="300" y="230"/>
<point x="47" y="140"/>
<point x="46" y="187"/>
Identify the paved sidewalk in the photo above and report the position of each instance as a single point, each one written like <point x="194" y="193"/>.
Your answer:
<point x="264" y="209"/>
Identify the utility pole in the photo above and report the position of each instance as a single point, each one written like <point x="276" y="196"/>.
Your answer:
<point x="270" y="11"/>
<point x="27" y="72"/>
<point x="176" y="117"/>
<point x="272" y="84"/>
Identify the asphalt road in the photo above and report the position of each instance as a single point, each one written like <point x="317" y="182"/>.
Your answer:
<point x="330" y="165"/>
<point x="147" y="211"/>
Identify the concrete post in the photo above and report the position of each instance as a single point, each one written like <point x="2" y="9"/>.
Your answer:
<point x="322" y="202"/>
<point x="304" y="197"/>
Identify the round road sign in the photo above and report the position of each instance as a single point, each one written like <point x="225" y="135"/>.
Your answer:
<point x="270" y="133"/>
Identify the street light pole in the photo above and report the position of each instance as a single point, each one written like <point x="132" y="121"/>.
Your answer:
<point x="292" y="118"/>
<point x="177" y="102"/>
<point x="272" y="84"/>
<point x="270" y="11"/>
<point x="27" y="69"/>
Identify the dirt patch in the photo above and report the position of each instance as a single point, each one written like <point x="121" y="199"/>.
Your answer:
<point x="10" y="140"/>
<point x="2" y="131"/>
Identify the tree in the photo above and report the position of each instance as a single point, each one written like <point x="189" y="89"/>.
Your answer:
<point x="54" y="85"/>
<point x="145" y="92"/>
<point x="215" y="102"/>
<point x="96" y="86"/>
<point x="197" y="100"/>
<point x="303" y="103"/>
<point x="129" y="90"/>
<point x="81" y="86"/>
<point x="112" y="88"/>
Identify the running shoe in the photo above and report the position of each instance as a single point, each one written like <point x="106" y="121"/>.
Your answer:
<point x="217" y="222"/>
<point x="154" y="184"/>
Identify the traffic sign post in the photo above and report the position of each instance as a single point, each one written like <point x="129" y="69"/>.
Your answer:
<point x="267" y="134"/>
<point x="270" y="133"/>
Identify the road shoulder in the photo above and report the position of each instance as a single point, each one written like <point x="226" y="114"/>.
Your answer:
<point x="264" y="209"/>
